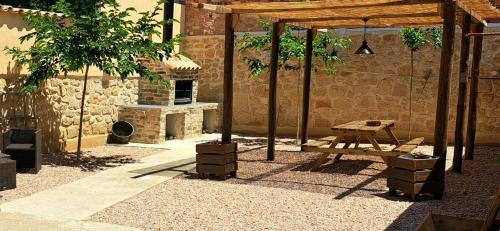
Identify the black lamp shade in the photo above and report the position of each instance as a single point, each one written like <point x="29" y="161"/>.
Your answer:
<point x="364" y="49"/>
<point x="334" y="53"/>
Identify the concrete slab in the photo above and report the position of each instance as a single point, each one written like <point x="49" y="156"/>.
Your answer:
<point x="10" y="221"/>
<point x="80" y="199"/>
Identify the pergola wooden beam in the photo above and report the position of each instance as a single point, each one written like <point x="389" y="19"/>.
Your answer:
<point x="462" y="90"/>
<point x="273" y="88"/>
<point x="483" y="34"/>
<point x="227" y="104"/>
<point x="306" y="91"/>
<point x="443" y="98"/>
<point x="474" y="85"/>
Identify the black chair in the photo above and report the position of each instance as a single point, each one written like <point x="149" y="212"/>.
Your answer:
<point x="25" y="147"/>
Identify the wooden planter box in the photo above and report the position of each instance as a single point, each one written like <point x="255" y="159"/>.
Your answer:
<point x="412" y="177"/>
<point x="207" y="148"/>
<point x="436" y="222"/>
<point x="411" y="164"/>
<point x="216" y="159"/>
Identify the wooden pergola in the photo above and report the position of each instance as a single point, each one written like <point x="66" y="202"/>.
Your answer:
<point x="472" y="16"/>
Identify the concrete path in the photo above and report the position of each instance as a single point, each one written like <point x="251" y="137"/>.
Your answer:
<point x="80" y="199"/>
<point x="11" y="222"/>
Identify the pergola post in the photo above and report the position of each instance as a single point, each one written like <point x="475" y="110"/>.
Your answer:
<point x="307" y="85"/>
<point x="474" y="85"/>
<point x="462" y="90"/>
<point x="441" y="126"/>
<point x="273" y="78"/>
<point x="227" y="107"/>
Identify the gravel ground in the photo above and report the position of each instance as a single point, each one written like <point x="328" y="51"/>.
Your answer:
<point x="59" y="169"/>
<point x="284" y="195"/>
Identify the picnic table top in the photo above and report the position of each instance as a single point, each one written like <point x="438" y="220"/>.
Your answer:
<point x="360" y="125"/>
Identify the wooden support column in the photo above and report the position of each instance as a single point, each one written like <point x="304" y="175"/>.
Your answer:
<point x="462" y="90"/>
<point x="227" y="107"/>
<point x="273" y="78"/>
<point x="441" y="126"/>
<point x="474" y="84"/>
<point x="307" y="85"/>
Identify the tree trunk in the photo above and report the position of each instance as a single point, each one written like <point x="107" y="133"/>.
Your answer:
<point x="82" y="106"/>
<point x="411" y="97"/>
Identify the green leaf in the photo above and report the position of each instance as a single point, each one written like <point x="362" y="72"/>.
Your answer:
<point x="292" y="49"/>
<point x="93" y="32"/>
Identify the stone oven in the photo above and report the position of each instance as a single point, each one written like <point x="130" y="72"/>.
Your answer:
<point x="183" y="92"/>
<point x="164" y="113"/>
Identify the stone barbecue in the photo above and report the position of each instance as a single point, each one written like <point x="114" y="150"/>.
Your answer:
<point x="171" y="112"/>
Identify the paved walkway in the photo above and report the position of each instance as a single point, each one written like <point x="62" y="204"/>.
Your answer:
<point x="80" y="199"/>
<point x="11" y="222"/>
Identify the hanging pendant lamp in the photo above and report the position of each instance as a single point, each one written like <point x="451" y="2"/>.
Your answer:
<point x="334" y="54"/>
<point x="364" y="49"/>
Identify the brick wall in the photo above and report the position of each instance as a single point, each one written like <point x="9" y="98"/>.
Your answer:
<point x="201" y="22"/>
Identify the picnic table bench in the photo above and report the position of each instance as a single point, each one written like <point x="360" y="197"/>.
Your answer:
<point x="354" y="132"/>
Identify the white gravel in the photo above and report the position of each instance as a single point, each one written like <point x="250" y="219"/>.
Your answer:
<point x="337" y="201"/>
<point x="60" y="168"/>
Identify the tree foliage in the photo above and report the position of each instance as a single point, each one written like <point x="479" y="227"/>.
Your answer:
<point x="94" y="33"/>
<point x="416" y="38"/>
<point x="91" y="33"/>
<point x="292" y="49"/>
<point x="31" y="4"/>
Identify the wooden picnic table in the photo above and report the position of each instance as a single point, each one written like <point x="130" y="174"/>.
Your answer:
<point x="354" y="132"/>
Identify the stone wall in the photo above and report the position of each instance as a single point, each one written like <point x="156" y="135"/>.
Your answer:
<point x="58" y="109"/>
<point x="374" y="87"/>
<point x="148" y="125"/>
<point x="153" y="123"/>
<point x="102" y="98"/>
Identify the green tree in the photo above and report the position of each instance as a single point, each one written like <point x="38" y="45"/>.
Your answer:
<point x="415" y="39"/>
<point x="32" y="4"/>
<point x="92" y="33"/>
<point x="292" y="49"/>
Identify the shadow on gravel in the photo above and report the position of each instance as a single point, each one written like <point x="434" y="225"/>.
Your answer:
<point x="351" y="176"/>
<point x="260" y="142"/>
<point x="88" y="162"/>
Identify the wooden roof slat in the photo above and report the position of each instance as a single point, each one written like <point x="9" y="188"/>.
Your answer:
<point x="481" y="10"/>
<point x="373" y="23"/>
<point x="419" y="10"/>
<point x="247" y="8"/>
